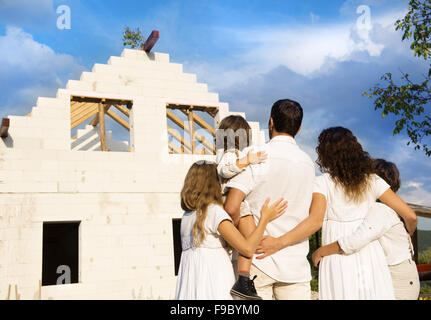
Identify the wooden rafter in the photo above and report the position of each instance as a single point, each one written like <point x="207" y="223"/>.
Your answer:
<point x="171" y="116"/>
<point x="205" y="143"/>
<point x="84" y="108"/>
<point x="124" y="110"/>
<point x="95" y="120"/>
<point x="127" y="103"/>
<point x="192" y="130"/>
<point x="207" y="109"/>
<point x="180" y="139"/>
<point x="102" y="130"/>
<point x="115" y="117"/>
<point x="82" y="111"/>
<point x="175" y="149"/>
<point x="202" y="123"/>
<point x="85" y="117"/>
<point x="74" y="106"/>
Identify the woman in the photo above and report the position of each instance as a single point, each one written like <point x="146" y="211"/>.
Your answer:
<point x="345" y="192"/>
<point x="383" y="224"/>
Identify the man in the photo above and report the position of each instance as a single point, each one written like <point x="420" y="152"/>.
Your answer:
<point x="287" y="173"/>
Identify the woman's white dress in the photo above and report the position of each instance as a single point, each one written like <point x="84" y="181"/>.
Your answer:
<point x="205" y="272"/>
<point x="360" y="276"/>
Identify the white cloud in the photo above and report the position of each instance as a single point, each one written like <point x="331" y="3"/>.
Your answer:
<point x="413" y="184"/>
<point x="308" y="50"/>
<point x="29" y="69"/>
<point x="19" y="50"/>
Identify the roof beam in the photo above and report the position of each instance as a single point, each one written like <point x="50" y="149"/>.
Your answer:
<point x="84" y="118"/>
<point x="4" y="129"/>
<point x="180" y="139"/>
<point x="181" y="124"/>
<point x="128" y="103"/>
<point x="115" y="117"/>
<point x="102" y="131"/>
<point x="174" y="148"/>
<point x="125" y="111"/>
<point x="201" y="122"/>
<point x="89" y="107"/>
<point x="151" y="41"/>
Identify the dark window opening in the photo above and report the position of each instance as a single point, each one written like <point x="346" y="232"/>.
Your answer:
<point x="176" y="228"/>
<point x="60" y="253"/>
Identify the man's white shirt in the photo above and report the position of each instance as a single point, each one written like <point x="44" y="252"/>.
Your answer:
<point x="287" y="173"/>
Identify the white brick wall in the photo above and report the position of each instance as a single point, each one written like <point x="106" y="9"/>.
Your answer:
<point x="125" y="201"/>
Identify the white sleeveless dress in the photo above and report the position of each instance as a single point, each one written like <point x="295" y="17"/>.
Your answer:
<point x="205" y="272"/>
<point x="360" y="276"/>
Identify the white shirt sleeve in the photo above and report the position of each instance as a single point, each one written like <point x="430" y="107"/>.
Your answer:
<point x="377" y="222"/>
<point x="321" y="185"/>
<point x="378" y="186"/>
<point x="226" y="164"/>
<point x="216" y="215"/>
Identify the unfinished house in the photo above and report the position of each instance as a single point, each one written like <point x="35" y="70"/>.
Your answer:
<point x="90" y="181"/>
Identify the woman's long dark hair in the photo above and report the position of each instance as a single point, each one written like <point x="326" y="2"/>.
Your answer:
<point x="341" y="155"/>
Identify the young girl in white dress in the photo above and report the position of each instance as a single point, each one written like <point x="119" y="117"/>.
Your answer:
<point x="344" y="193"/>
<point x="384" y="225"/>
<point x="206" y="271"/>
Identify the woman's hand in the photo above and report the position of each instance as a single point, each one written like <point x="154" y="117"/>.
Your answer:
<point x="316" y="257"/>
<point x="272" y="212"/>
<point x="269" y="245"/>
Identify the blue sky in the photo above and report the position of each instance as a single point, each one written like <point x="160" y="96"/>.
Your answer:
<point x="251" y="52"/>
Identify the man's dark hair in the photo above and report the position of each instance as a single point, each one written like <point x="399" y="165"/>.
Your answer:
<point x="287" y="116"/>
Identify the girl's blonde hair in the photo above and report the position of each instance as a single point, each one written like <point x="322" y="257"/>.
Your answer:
<point x="201" y="188"/>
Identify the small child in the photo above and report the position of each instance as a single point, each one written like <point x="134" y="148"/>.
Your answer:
<point x="233" y="137"/>
<point x="205" y="271"/>
<point x="383" y="224"/>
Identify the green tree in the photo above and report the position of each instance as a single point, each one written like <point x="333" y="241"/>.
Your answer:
<point x="425" y="256"/>
<point x="409" y="102"/>
<point x="133" y="39"/>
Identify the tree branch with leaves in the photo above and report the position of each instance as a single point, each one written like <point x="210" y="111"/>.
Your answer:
<point x="410" y="101"/>
<point x="133" y="39"/>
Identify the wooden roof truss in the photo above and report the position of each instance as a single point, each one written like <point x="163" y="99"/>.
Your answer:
<point x="189" y="146"/>
<point x="86" y="108"/>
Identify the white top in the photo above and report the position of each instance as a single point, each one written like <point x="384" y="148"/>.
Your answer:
<point x="365" y="274"/>
<point x="205" y="272"/>
<point x="288" y="172"/>
<point x="339" y="208"/>
<point x="383" y="224"/>
<point x="213" y="239"/>
<point x="226" y="162"/>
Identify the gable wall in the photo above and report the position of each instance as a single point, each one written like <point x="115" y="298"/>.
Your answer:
<point x="125" y="201"/>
